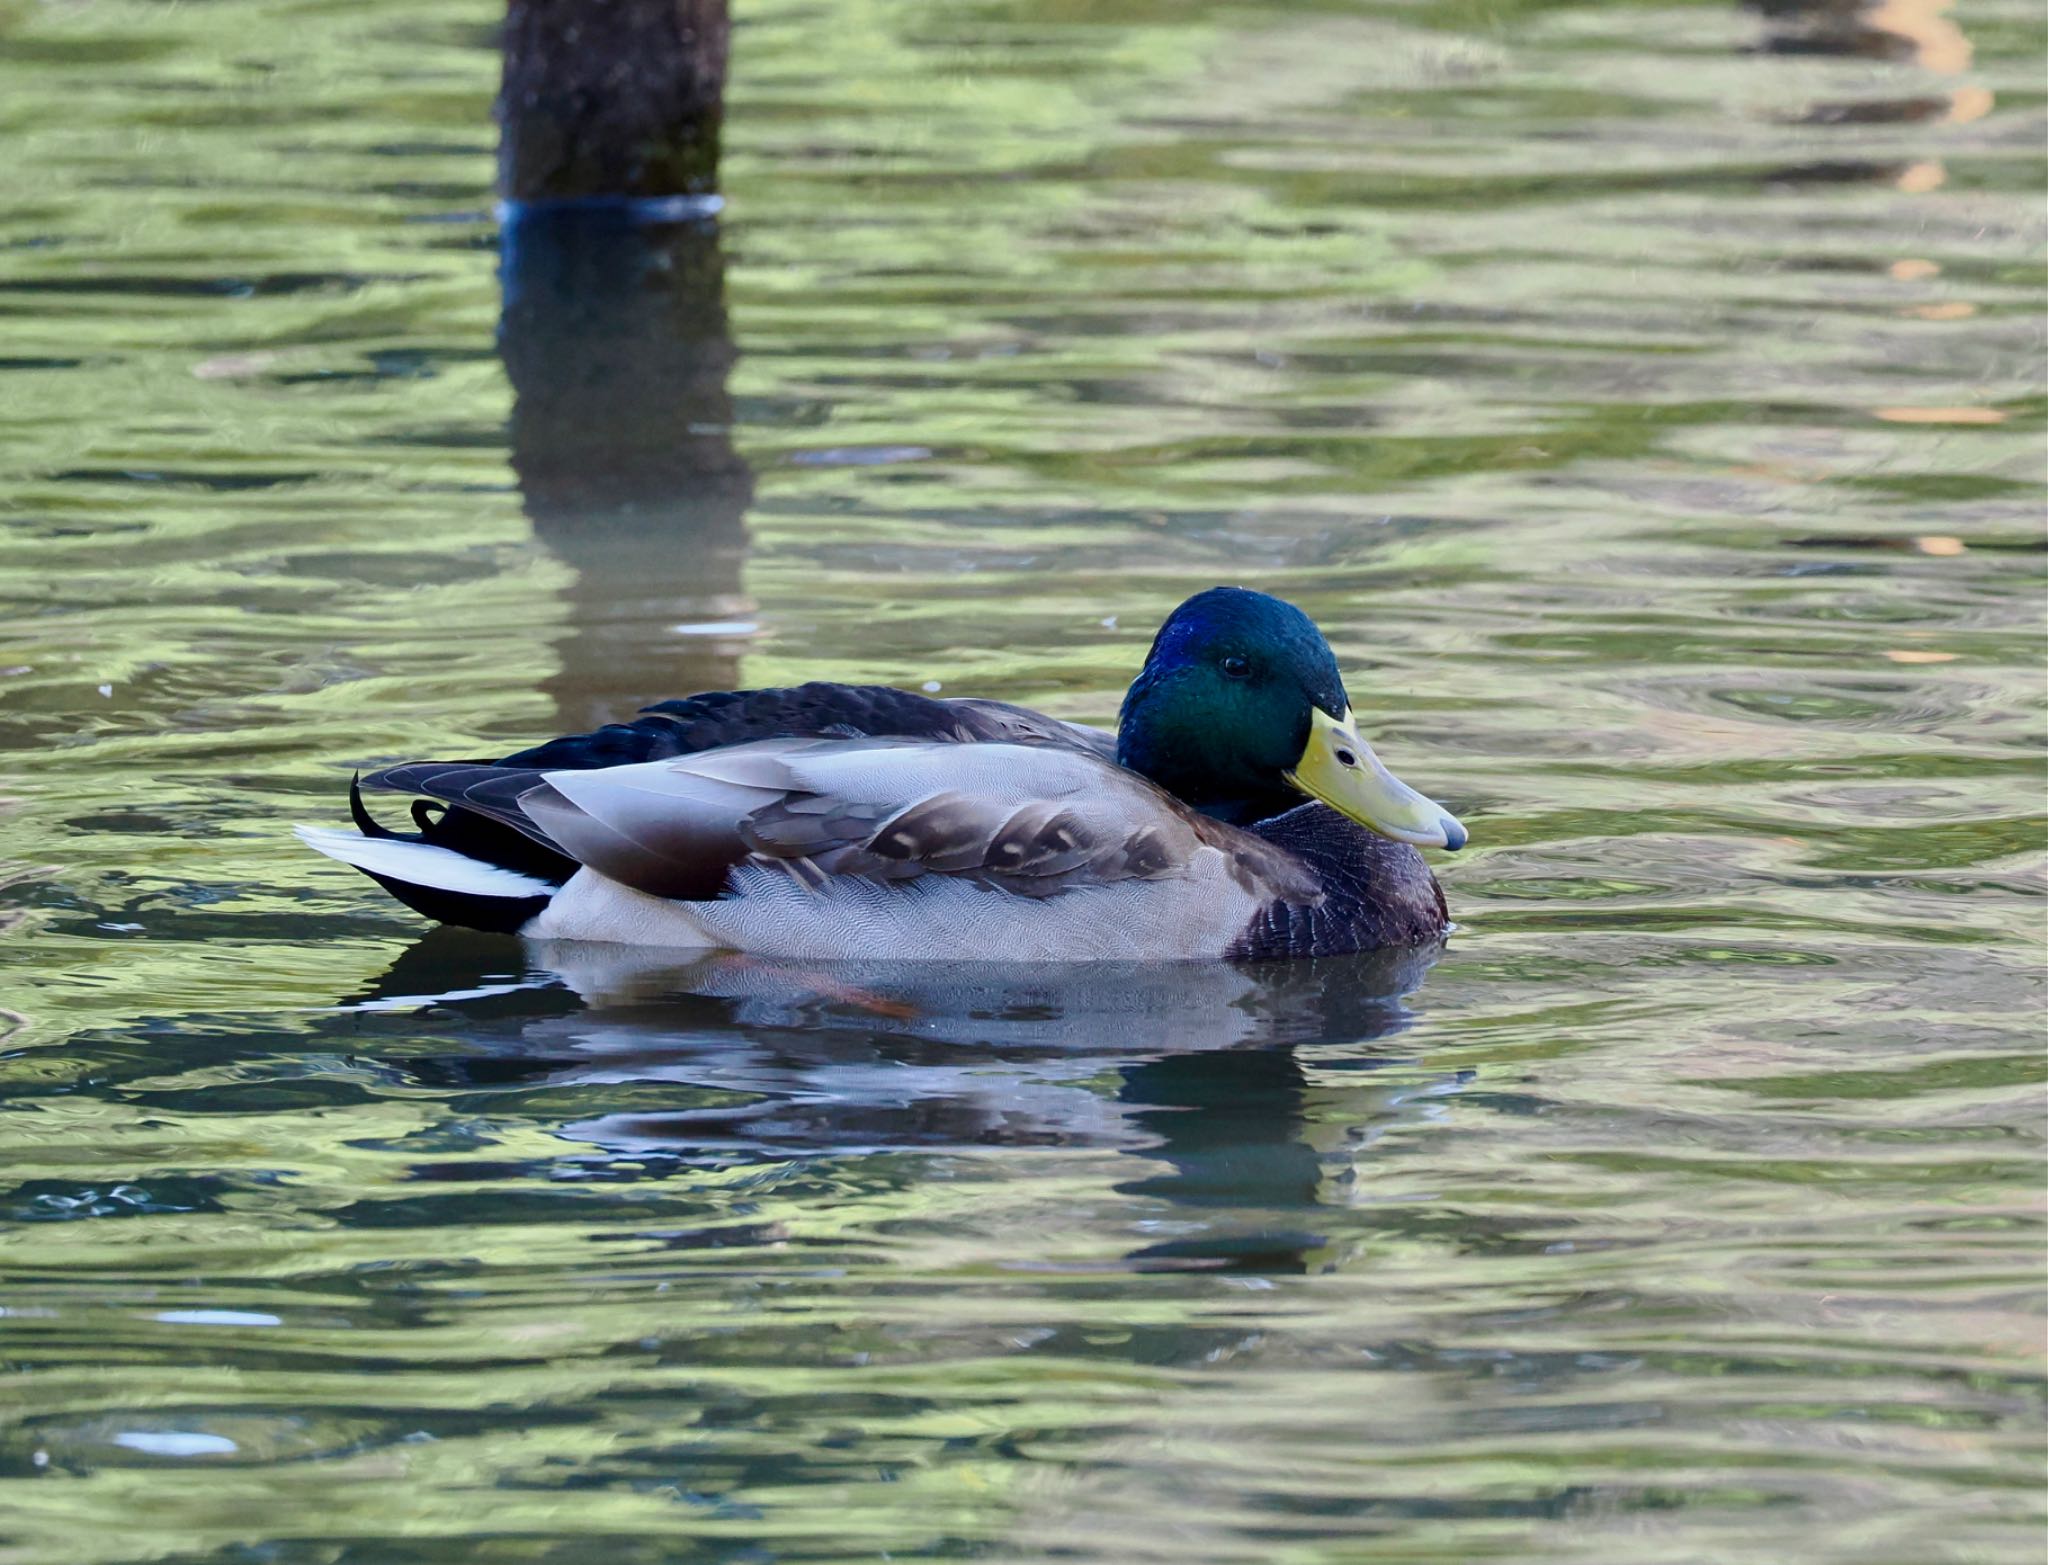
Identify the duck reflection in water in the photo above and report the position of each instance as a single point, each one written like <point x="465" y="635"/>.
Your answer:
<point x="1201" y="1070"/>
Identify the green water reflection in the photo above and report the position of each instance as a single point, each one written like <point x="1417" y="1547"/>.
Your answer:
<point x="1648" y="400"/>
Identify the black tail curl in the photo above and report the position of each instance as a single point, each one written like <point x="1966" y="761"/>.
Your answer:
<point x="473" y="837"/>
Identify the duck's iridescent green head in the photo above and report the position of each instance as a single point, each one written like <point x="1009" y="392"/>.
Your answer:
<point x="1240" y="711"/>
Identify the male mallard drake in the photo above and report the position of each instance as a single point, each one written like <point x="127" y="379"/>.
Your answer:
<point x="859" y="821"/>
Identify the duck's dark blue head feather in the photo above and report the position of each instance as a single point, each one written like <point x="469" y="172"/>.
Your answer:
<point x="1221" y="709"/>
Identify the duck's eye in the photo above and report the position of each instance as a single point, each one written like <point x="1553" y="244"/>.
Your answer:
<point x="1235" y="667"/>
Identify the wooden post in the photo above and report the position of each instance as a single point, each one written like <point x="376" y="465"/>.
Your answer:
<point x="611" y="98"/>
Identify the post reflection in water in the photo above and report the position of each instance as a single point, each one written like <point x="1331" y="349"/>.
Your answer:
<point x="1197" y="1069"/>
<point x="615" y="338"/>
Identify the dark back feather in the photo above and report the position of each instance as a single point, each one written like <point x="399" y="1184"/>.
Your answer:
<point x="717" y="718"/>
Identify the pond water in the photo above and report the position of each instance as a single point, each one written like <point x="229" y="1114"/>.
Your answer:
<point x="1647" y="398"/>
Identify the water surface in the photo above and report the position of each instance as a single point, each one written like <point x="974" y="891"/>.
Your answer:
<point x="1647" y="398"/>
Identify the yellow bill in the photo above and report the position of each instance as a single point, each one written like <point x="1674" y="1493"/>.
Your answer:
<point x="1339" y="768"/>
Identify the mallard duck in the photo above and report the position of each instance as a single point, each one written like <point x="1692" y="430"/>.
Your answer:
<point x="1235" y="813"/>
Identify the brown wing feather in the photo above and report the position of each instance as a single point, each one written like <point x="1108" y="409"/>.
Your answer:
<point x="1031" y="820"/>
<point x="488" y="815"/>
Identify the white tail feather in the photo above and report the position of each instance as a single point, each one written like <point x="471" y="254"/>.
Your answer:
<point x="419" y="864"/>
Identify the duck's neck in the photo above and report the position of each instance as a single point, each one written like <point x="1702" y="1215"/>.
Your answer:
<point x="1246" y="812"/>
<point x="1197" y="781"/>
